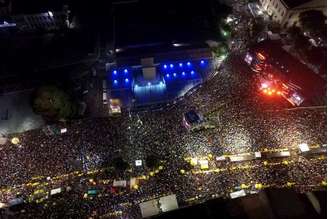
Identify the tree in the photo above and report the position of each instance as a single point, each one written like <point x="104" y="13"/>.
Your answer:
<point x="226" y="30"/>
<point x="216" y="18"/>
<point x="152" y="161"/>
<point x="187" y="166"/>
<point x="120" y="165"/>
<point x="53" y="103"/>
<point x="313" y="22"/>
<point x="221" y="50"/>
<point x="300" y="42"/>
<point x="256" y="27"/>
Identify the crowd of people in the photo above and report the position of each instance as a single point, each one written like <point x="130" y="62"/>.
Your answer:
<point x="244" y="122"/>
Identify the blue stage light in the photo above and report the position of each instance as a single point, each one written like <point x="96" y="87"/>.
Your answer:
<point x="125" y="71"/>
<point x="180" y="64"/>
<point x="188" y="63"/>
<point x="126" y="80"/>
<point x="192" y="72"/>
<point x="148" y="83"/>
<point x="115" y="82"/>
<point x="183" y="73"/>
<point x="167" y="75"/>
<point x="174" y="74"/>
<point x="165" y="66"/>
<point x="171" y="65"/>
<point x="202" y="62"/>
<point x="115" y="72"/>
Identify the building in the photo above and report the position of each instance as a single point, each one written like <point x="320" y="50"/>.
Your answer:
<point x="286" y="12"/>
<point x="33" y="17"/>
<point x="47" y="21"/>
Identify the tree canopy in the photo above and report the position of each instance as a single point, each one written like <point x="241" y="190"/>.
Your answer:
<point x="152" y="161"/>
<point x="53" y="103"/>
<point x="120" y="165"/>
<point x="313" y="21"/>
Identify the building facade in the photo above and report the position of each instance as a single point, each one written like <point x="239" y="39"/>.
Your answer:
<point x="286" y="12"/>
<point x="42" y="21"/>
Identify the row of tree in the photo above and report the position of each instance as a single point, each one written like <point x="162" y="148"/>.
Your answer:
<point x="118" y="165"/>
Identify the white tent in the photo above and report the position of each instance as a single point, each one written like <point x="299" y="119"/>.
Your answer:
<point x="237" y="194"/>
<point x="119" y="183"/>
<point x="156" y="206"/>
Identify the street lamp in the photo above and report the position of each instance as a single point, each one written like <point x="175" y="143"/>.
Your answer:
<point x="15" y="140"/>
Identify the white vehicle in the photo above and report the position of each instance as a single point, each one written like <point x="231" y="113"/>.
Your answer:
<point x="105" y="98"/>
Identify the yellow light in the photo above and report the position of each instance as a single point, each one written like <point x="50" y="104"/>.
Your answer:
<point x="244" y="186"/>
<point x="156" y="171"/>
<point x="324" y="183"/>
<point x="160" y="167"/>
<point x="15" y="140"/>
<point x="182" y="171"/>
<point x="35" y="184"/>
<point x="265" y="163"/>
<point x="151" y="173"/>
<point x="258" y="186"/>
<point x="193" y="161"/>
<point x="136" y="187"/>
<point x="210" y="156"/>
<point x="260" y="56"/>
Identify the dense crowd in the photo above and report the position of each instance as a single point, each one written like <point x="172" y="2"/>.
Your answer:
<point x="243" y="123"/>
